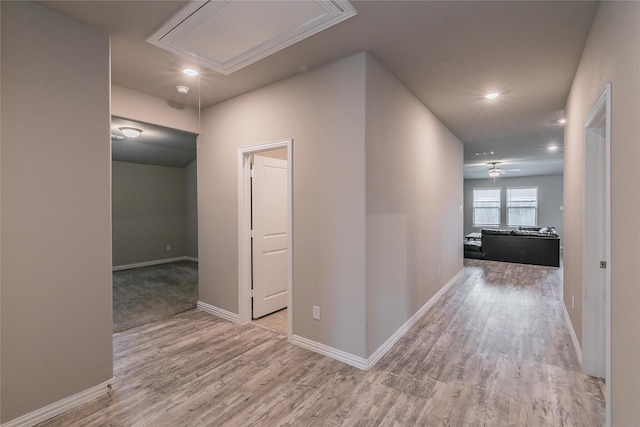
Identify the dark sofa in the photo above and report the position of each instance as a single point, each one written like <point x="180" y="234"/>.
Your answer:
<point x="521" y="246"/>
<point x="528" y="246"/>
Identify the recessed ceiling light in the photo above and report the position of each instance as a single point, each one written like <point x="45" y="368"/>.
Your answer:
<point x="553" y="148"/>
<point x="182" y="89"/>
<point x="190" y="72"/>
<point x="492" y="95"/>
<point x="131" y="132"/>
<point x="561" y="121"/>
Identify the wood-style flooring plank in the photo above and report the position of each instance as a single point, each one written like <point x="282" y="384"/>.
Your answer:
<point x="494" y="351"/>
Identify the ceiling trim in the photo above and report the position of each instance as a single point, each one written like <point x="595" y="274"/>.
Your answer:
<point x="193" y="31"/>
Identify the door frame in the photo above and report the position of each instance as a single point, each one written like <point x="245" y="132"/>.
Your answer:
<point x="244" y="229"/>
<point x="596" y="316"/>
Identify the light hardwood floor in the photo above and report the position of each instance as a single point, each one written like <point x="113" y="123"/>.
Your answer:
<point x="494" y="351"/>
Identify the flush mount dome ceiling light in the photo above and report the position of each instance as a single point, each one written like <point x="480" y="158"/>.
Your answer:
<point x="130" y="132"/>
<point x="182" y="89"/>
<point x="215" y="32"/>
<point x="492" y="95"/>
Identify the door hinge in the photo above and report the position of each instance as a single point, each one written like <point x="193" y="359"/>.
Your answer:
<point x="251" y="234"/>
<point x="603" y="264"/>
<point x="251" y="172"/>
<point x="252" y="293"/>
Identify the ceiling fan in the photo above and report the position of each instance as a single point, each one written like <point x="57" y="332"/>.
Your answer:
<point x="495" y="171"/>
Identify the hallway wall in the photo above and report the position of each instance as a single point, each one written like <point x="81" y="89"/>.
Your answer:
<point x="610" y="55"/>
<point x="56" y="221"/>
<point x="413" y="217"/>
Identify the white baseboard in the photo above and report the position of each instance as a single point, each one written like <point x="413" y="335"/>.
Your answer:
<point x="61" y="406"/>
<point x="368" y="363"/>
<point x="227" y="315"/>
<point x="154" y="262"/>
<point x="334" y="353"/>
<point x="574" y="337"/>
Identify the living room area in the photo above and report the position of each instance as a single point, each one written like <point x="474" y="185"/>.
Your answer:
<point x="514" y="218"/>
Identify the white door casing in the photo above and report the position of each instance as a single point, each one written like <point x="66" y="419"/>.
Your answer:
<point x="244" y="229"/>
<point x="596" y="316"/>
<point x="269" y="220"/>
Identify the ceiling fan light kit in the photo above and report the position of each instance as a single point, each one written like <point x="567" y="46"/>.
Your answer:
<point x="494" y="172"/>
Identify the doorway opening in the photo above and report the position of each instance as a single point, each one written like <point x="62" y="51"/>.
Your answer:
<point x="596" y="316"/>
<point x="154" y="222"/>
<point x="265" y="233"/>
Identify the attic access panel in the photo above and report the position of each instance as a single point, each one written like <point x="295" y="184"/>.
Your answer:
<point x="227" y="35"/>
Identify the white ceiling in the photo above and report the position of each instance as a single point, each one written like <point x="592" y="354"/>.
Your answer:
<point x="447" y="53"/>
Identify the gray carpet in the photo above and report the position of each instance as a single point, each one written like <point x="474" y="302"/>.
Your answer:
<point x="142" y="295"/>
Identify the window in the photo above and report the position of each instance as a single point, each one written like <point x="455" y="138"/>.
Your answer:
<point x="486" y="207"/>
<point x="522" y="206"/>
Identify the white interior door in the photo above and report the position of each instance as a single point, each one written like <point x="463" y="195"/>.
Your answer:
<point x="269" y="242"/>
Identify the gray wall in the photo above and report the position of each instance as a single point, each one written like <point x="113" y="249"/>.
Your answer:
<point x="610" y="55"/>
<point x="413" y="216"/>
<point x="150" y="212"/>
<point x="335" y="115"/>
<point x="550" y="199"/>
<point x="56" y="208"/>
